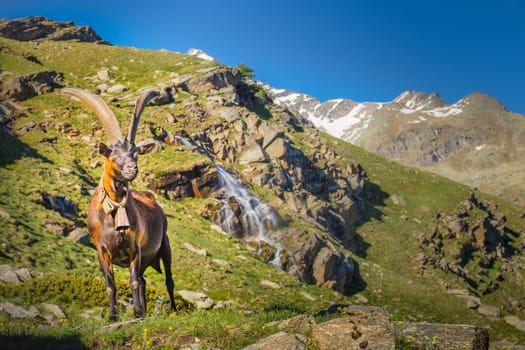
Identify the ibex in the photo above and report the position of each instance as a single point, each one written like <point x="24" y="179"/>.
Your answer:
<point x="127" y="227"/>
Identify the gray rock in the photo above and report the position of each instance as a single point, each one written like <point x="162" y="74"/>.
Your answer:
<point x="424" y="335"/>
<point x="102" y="87"/>
<point x="116" y="89"/>
<point x="23" y="274"/>
<point x="8" y="274"/>
<point x="105" y="75"/>
<point x="276" y="149"/>
<point x="489" y="310"/>
<point x="80" y="235"/>
<point x="200" y="300"/>
<point x="268" y="133"/>
<point x="17" y="311"/>
<point x="253" y="154"/>
<point x="53" y="310"/>
<point x="515" y="321"/>
<point x="332" y="269"/>
<point x="281" y="341"/>
<point x="230" y="114"/>
<point x="193" y="249"/>
<point x="362" y="328"/>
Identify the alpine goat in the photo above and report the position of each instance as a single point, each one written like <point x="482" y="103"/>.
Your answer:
<point x="127" y="227"/>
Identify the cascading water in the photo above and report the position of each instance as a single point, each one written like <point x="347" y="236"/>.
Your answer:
<point x="254" y="217"/>
<point x="251" y="219"/>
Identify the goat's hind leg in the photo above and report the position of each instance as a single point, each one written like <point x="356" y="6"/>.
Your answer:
<point x="165" y="255"/>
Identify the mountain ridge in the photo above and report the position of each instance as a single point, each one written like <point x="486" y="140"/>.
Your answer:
<point x="379" y="127"/>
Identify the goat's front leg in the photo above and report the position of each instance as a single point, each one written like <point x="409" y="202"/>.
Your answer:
<point x="138" y="286"/>
<point x="107" y="267"/>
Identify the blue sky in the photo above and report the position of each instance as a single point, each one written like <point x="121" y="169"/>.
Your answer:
<point x="361" y="50"/>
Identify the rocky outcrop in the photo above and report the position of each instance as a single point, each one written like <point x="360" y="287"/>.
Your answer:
<point x="35" y="28"/>
<point x="22" y="87"/>
<point x="475" y="234"/>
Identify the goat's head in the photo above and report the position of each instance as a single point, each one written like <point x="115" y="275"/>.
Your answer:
<point x="121" y="154"/>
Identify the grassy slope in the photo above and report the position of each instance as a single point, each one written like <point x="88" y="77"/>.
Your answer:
<point x="30" y="166"/>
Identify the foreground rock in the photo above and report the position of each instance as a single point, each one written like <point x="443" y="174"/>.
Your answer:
<point x="443" y="336"/>
<point x="199" y="300"/>
<point x="361" y="328"/>
<point x="281" y="340"/>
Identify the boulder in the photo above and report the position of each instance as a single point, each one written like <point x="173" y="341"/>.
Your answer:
<point x="116" y="89"/>
<point x="489" y="310"/>
<point x="17" y="311"/>
<point x="23" y="274"/>
<point x="276" y="149"/>
<point x="253" y="154"/>
<point x="282" y="341"/>
<point x="105" y="75"/>
<point x="8" y="274"/>
<point x="515" y="321"/>
<point x="269" y="133"/>
<point x="52" y="311"/>
<point x="333" y="269"/>
<point x="199" y="300"/>
<point x="422" y="335"/>
<point x="361" y="328"/>
<point x="79" y="235"/>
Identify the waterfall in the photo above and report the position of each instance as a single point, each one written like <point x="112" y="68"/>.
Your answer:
<point x="255" y="218"/>
<point x="242" y="215"/>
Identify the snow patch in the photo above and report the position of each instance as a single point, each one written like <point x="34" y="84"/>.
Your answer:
<point x="480" y="147"/>
<point x="201" y="54"/>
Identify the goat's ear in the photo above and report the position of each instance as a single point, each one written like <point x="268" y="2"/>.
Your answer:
<point x="104" y="150"/>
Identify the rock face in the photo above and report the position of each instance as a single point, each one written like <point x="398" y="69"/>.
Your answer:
<point x="34" y="28"/>
<point x="313" y="185"/>
<point x="22" y="87"/>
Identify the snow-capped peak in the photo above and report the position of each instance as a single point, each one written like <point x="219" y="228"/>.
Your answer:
<point x="201" y="54"/>
<point x="420" y="101"/>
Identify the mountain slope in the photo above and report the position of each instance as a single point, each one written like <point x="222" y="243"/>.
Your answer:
<point x="475" y="141"/>
<point x="406" y="235"/>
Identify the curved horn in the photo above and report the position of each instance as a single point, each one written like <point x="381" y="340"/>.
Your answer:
<point x="142" y="101"/>
<point x="101" y="109"/>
